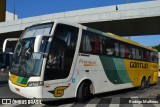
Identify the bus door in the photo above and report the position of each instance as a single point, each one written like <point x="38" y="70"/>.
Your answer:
<point x="54" y="72"/>
<point x="60" y="60"/>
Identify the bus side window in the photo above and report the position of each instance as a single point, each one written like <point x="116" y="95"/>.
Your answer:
<point x="110" y="47"/>
<point x="116" y="49"/>
<point x="127" y="51"/>
<point x="90" y="43"/>
<point x="85" y="43"/>
<point x="146" y="56"/>
<point x="149" y="56"/>
<point x="122" y="50"/>
<point x="133" y="53"/>
<point x="138" y="53"/>
<point x="103" y="46"/>
<point x="96" y="45"/>
<point x="154" y="57"/>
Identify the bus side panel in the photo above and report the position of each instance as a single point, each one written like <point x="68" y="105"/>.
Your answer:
<point x="109" y="74"/>
<point x="154" y="70"/>
<point x="101" y="72"/>
<point x="139" y="69"/>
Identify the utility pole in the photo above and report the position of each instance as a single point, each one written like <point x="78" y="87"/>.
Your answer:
<point x="14" y="17"/>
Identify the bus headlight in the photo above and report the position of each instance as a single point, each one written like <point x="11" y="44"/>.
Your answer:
<point x="35" y="83"/>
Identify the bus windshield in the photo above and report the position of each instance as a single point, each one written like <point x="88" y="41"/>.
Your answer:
<point x="26" y="62"/>
<point x="33" y="31"/>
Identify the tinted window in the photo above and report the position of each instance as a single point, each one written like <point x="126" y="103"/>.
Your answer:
<point x="97" y="44"/>
<point x="138" y="53"/>
<point x="146" y="56"/>
<point x="61" y="52"/>
<point x="154" y="57"/>
<point x="91" y="43"/>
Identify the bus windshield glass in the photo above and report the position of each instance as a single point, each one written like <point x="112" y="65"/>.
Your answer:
<point x="33" y="31"/>
<point x="26" y="62"/>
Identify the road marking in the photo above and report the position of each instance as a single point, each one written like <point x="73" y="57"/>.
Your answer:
<point x="92" y="103"/>
<point x="115" y="102"/>
<point x="67" y="105"/>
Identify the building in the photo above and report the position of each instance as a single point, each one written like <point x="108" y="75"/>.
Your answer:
<point x="10" y="16"/>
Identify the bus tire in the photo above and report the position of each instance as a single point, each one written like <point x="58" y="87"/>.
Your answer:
<point x="148" y="82"/>
<point x="83" y="93"/>
<point x="143" y="84"/>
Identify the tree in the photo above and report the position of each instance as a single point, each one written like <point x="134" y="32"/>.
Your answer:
<point x="157" y="47"/>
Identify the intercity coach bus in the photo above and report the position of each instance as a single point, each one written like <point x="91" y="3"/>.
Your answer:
<point x="61" y="60"/>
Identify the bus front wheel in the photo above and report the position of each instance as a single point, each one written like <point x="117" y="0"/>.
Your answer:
<point x="84" y="92"/>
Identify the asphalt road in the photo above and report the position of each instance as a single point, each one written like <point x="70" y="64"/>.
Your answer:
<point x="122" y="98"/>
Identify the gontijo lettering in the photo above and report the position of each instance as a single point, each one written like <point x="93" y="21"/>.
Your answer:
<point x="138" y="65"/>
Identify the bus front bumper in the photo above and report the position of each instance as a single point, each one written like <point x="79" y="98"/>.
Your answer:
<point x="27" y="92"/>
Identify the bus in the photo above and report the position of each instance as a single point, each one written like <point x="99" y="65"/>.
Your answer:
<point x="9" y="44"/>
<point x="59" y="60"/>
<point x="7" y="52"/>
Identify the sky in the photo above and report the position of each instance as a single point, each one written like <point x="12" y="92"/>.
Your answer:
<point x="30" y="8"/>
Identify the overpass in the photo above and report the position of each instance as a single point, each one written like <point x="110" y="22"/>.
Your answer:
<point x="132" y="19"/>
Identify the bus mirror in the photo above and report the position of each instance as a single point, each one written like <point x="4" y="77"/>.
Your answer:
<point x="37" y="43"/>
<point x="8" y="40"/>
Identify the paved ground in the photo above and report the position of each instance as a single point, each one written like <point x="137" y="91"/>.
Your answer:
<point x="3" y="77"/>
<point x="123" y="98"/>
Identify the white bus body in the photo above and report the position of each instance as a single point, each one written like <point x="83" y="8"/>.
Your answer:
<point x="37" y="73"/>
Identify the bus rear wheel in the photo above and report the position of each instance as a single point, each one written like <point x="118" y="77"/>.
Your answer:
<point x="84" y="92"/>
<point x="148" y="82"/>
<point x="143" y="84"/>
